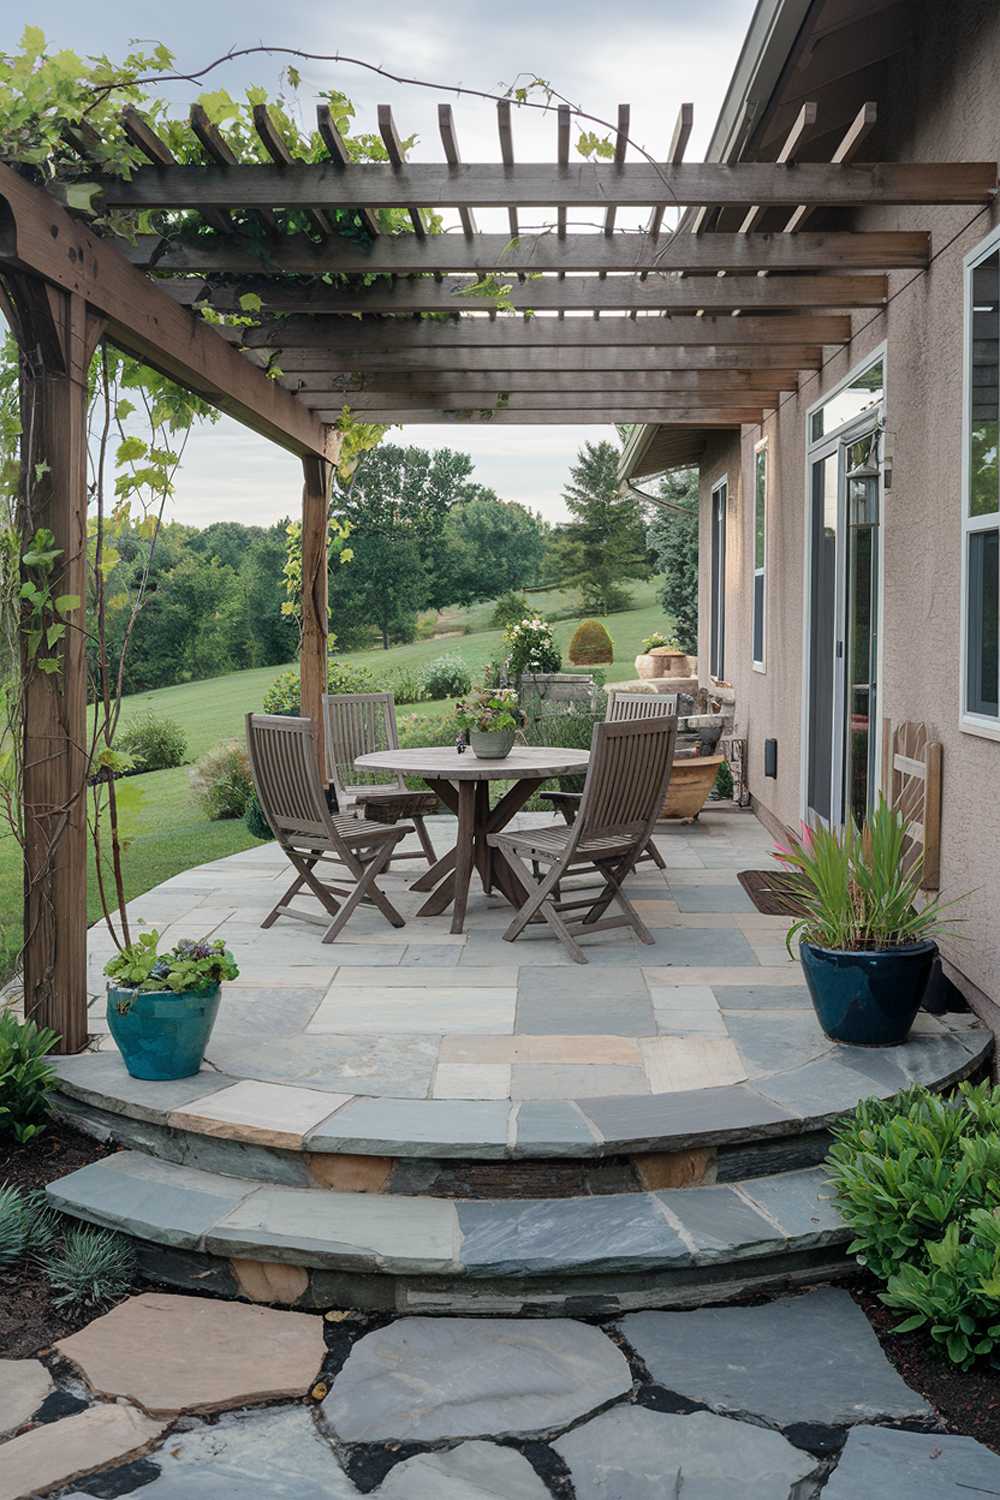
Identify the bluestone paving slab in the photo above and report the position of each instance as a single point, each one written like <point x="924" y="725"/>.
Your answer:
<point x="277" y="1454"/>
<point x="24" y="1385"/>
<point x="472" y="1471"/>
<point x="407" y="1127"/>
<point x="552" y="1081"/>
<point x="926" y="1057"/>
<point x="144" y="1196"/>
<point x="719" y="1224"/>
<point x="761" y="997"/>
<point x="425" y="1379"/>
<point x="802" y="1202"/>
<point x="631" y="1453"/>
<point x="545" y="1126"/>
<point x="353" y="1231"/>
<point x="696" y="1117"/>
<point x="436" y="976"/>
<point x="285" y="1011"/>
<point x="620" y="1231"/>
<point x="890" y="1465"/>
<point x="402" y="1066"/>
<point x="695" y="947"/>
<point x="724" y="898"/>
<point x="619" y="1005"/>
<point x="812" y="1358"/>
<point x="101" y="1078"/>
<point x="775" y="1043"/>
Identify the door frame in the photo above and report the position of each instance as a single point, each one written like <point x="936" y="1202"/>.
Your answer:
<point x="718" y="548"/>
<point x="835" y="441"/>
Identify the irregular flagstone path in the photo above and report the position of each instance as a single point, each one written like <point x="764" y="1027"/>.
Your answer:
<point x="878" y="1462"/>
<point x="472" y="1471"/>
<point x="422" y="1379"/>
<point x="812" y="1358"/>
<point x="635" y="1454"/>
<point x="24" y="1385"/>
<point x="175" y="1354"/>
<point x="63" y="1451"/>
<point x="490" y="1409"/>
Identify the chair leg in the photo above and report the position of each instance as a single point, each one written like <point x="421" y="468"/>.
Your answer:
<point x="539" y="903"/>
<point x="614" y="892"/>
<point x="305" y="865"/>
<point x="365" y="888"/>
<point x="369" y="890"/>
<point x="655" y="854"/>
<point x="424" y="837"/>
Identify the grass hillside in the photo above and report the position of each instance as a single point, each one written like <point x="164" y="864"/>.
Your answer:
<point x="167" y="830"/>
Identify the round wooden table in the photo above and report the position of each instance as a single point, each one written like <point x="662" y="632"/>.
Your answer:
<point x="462" y="784"/>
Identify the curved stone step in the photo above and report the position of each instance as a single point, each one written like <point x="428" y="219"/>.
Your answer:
<point x="309" y="1247"/>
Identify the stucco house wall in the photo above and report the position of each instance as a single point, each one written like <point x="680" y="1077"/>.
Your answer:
<point x="940" y="105"/>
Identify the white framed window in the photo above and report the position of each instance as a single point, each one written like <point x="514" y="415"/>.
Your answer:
<point x="980" y="674"/>
<point x="759" y="552"/>
<point x="717" y="622"/>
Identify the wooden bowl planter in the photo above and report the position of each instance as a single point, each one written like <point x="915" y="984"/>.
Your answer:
<point x="691" y="780"/>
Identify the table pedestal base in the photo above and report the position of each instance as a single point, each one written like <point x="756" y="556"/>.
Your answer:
<point x="448" y="880"/>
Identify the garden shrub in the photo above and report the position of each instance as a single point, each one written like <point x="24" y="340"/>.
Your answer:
<point x="283" y="696"/>
<point x="222" y="781"/>
<point x="255" y="820"/>
<point x="590" y="644"/>
<point x="406" y="685"/>
<point x="918" y="1183"/>
<point x="722" y="790"/>
<point x="154" y="742"/>
<point x="509" y="609"/>
<point x="13" y="1225"/>
<point x="446" y="677"/>
<point x="532" y="648"/>
<point x="91" y="1268"/>
<point x="419" y="730"/>
<point x="25" y="1077"/>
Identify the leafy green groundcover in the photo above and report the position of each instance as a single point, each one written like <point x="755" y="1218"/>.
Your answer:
<point x="918" y="1181"/>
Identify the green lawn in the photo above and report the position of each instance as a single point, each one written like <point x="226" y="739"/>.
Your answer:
<point x="168" y="832"/>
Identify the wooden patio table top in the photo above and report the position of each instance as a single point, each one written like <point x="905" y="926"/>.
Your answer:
<point x="462" y="784"/>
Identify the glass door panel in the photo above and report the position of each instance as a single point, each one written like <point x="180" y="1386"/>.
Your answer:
<point x="861" y="655"/>
<point x="822" y="636"/>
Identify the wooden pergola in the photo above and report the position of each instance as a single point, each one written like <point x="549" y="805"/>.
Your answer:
<point x="703" y="327"/>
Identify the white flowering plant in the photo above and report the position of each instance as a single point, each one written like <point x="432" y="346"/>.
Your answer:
<point x="532" y="648"/>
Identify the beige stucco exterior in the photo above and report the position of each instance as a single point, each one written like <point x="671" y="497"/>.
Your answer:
<point x="940" y="105"/>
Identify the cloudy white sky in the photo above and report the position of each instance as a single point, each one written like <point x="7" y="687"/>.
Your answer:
<point x="653" y="53"/>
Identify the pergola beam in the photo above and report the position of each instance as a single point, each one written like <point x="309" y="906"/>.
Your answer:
<point x="38" y="236"/>
<point x="402" y="184"/>
<point x="636" y="399"/>
<point x="674" y="417"/>
<point x="381" y="388"/>
<point x="389" y="335"/>
<point x="641" y="358"/>
<point x="405" y="254"/>
<point x="660" y="293"/>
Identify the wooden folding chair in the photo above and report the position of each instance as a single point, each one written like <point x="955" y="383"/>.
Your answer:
<point x="283" y="760"/>
<point x="361" y="724"/>
<point x="623" y="708"/>
<point x="627" y="780"/>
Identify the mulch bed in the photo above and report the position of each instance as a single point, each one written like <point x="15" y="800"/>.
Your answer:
<point x="28" y="1321"/>
<point x="769" y="891"/>
<point x="969" y="1401"/>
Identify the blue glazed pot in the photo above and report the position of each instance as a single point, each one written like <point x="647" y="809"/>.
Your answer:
<point x="161" y="1034"/>
<point x="868" y="999"/>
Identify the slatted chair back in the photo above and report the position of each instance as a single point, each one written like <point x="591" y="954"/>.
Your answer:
<point x="359" y="724"/>
<point x="283" y="761"/>
<point x="627" y="779"/>
<point x="911" y="783"/>
<point x="624" y="707"/>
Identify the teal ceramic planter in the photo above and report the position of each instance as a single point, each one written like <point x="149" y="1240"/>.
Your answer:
<point x="868" y="999"/>
<point x="161" y="1034"/>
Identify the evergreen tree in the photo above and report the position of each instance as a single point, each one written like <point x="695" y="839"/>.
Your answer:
<point x="673" y="538"/>
<point x="604" y="544"/>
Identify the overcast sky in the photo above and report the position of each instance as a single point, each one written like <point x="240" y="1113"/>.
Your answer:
<point x="595" y="53"/>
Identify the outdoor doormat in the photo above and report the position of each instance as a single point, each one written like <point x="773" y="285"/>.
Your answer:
<point x="771" y="893"/>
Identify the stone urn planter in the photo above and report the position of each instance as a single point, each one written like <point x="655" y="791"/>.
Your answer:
<point x="868" y="998"/>
<point x="668" y="661"/>
<point x="691" y="780"/>
<point x="162" y="1034"/>
<point x="645" y="666"/>
<point x="493" y="744"/>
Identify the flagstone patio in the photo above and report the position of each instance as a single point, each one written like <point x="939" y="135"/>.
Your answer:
<point x="436" y="1122"/>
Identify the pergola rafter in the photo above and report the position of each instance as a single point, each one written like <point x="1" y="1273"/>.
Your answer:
<point x="405" y="324"/>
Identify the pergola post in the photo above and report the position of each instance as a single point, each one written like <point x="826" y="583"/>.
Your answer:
<point x="57" y="334"/>
<point x="315" y="595"/>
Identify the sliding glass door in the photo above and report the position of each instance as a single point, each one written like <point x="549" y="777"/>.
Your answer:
<point x="717" y="624"/>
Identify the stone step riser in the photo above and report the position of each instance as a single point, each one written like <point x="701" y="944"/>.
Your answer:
<point x="442" y="1177"/>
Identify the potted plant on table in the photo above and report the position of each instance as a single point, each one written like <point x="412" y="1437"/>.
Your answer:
<point x="491" y="718"/>
<point x="867" y="950"/>
<point x="162" y="1006"/>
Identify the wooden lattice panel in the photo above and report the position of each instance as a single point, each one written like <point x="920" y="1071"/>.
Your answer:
<point x="911" y="782"/>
